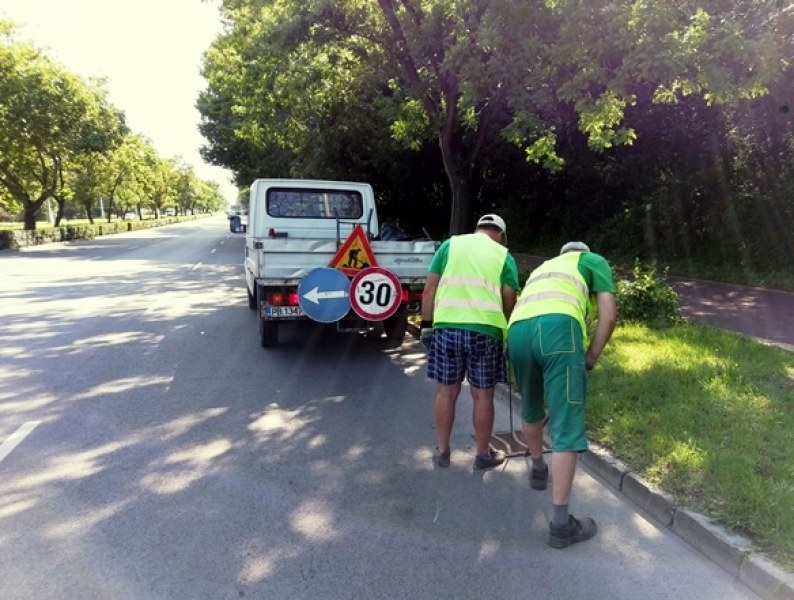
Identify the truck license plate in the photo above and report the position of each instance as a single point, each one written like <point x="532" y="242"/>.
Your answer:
<point x="284" y="312"/>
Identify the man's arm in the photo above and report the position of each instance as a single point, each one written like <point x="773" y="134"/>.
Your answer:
<point x="429" y="296"/>
<point x="508" y="300"/>
<point x="607" y="317"/>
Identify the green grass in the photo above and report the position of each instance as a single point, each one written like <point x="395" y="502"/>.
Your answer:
<point x="707" y="415"/>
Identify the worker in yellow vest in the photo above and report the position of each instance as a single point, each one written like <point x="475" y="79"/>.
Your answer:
<point x="549" y="353"/>
<point x="470" y="292"/>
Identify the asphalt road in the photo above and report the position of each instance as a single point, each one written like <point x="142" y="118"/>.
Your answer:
<point x="766" y="315"/>
<point x="150" y="449"/>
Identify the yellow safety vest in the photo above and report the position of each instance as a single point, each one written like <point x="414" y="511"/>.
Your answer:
<point x="555" y="287"/>
<point x="470" y="288"/>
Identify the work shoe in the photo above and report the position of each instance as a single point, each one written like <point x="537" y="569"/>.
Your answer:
<point x="494" y="459"/>
<point x="538" y="478"/>
<point x="441" y="458"/>
<point x="574" y="531"/>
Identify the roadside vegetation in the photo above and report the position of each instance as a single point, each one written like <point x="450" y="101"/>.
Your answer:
<point x="66" y="150"/>
<point x="703" y="413"/>
<point x="652" y="130"/>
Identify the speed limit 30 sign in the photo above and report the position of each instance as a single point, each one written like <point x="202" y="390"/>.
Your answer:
<point x="375" y="293"/>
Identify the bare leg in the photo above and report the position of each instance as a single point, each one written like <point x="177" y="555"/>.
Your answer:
<point x="533" y="433"/>
<point x="482" y="417"/>
<point x="444" y="413"/>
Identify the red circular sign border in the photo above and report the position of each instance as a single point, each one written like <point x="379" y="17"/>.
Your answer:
<point x="354" y="300"/>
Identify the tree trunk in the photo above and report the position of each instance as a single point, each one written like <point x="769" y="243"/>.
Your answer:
<point x="460" y="210"/>
<point x="31" y="208"/>
<point x="459" y="178"/>
<point x="30" y="216"/>
<point x="61" y="202"/>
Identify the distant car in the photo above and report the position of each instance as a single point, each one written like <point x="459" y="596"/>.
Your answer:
<point x="130" y="216"/>
<point x="169" y="212"/>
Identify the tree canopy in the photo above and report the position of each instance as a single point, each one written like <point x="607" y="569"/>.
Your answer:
<point x="305" y="86"/>
<point x="62" y="139"/>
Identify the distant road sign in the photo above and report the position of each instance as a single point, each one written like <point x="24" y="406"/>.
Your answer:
<point x="324" y="295"/>
<point x="375" y="293"/>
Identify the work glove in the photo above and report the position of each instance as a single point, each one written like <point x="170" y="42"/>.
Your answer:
<point x="425" y="335"/>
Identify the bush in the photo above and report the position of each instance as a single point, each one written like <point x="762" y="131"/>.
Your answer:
<point x="647" y="298"/>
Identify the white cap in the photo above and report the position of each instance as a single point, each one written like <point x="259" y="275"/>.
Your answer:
<point x="492" y="219"/>
<point x="574" y="247"/>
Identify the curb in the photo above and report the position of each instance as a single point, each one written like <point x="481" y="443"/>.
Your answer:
<point x="734" y="553"/>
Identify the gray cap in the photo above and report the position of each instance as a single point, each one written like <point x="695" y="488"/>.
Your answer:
<point x="574" y="247"/>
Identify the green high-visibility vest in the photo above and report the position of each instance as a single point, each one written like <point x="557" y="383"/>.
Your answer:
<point x="470" y="288"/>
<point x="555" y="287"/>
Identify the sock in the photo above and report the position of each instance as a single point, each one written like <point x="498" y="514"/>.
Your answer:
<point x="560" y="518"/>
<point x="538" y="463"/>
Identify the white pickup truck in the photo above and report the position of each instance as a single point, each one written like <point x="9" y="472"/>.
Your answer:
<point x="314" y="251"/>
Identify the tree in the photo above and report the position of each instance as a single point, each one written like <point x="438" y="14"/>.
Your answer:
<point x="48" y="117"/>
<point x="103" y="175"/>
<point x="468" y="73"/>
<point x="209" y="197"/>
<point x="186" y="186"/>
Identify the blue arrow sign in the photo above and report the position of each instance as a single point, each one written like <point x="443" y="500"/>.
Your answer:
<point x="324" y="295"/>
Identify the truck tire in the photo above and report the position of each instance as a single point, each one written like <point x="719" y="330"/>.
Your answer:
<point x="251" y="298"/>
<point x="268" y="333"/>
<point x="396" y="325"/>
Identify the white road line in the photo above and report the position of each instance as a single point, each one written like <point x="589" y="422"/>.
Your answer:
<point x="196" y="266"/>
<point x="213" y="251"/>
<point x="16" y="438"/>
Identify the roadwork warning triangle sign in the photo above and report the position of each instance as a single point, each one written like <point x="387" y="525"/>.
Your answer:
<point x="355" y="254"/>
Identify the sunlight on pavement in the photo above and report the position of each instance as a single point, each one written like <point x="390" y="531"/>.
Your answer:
<point x="178" y="471"/>
<point x="126" y="384"/>
<point x="182" y="425"/>
<point x="314" y="521"/>
<point x="84" y="522"/>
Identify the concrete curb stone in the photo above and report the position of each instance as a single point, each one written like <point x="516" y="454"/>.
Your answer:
<point x="723" y="548"/>
<point x="759" y="573"/>
<point x="732" y="552"/>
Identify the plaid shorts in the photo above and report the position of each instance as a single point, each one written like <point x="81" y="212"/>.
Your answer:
<point x="456" y="354"/>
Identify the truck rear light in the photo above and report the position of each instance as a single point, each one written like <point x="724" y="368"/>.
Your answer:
<point x="283" y="298"/>
<point x="405" y="296"/>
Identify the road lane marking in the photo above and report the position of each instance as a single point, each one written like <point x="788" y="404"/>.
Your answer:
<point x="213" y="251"/>
<point x="196" y="266"/>
<point x="16" y="438"/>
